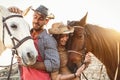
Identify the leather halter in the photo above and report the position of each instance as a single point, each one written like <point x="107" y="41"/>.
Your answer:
<point x="12" y="37"/>
<point x="15" y="46"/>
<point x="83" y="53"/>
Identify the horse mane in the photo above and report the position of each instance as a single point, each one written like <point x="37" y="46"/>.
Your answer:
<point x="103" y="41"/>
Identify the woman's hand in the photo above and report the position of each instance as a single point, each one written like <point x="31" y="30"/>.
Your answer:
<point x="80" y="70"/>
<point x="14" y="9"/>
<point x="87" y="60"/>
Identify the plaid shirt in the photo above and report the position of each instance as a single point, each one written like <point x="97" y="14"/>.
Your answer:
<point x="48" y="50"/>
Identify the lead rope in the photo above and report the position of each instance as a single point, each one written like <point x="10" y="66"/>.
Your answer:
<point x="100" y="72"/>
<point x="13" y="52"/>
<point x="116" y="73"/>
<point x="84" y="76"/>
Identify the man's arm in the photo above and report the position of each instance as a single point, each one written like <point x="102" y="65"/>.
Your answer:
<point x="51" y="57"/>
<point x="39" y="66"/>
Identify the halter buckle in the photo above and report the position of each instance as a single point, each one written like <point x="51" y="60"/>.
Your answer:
<point x="14" y="51"/>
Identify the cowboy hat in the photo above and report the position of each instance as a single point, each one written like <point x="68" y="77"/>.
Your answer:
<point x="41" y="10"/>
<point x="60" y="28"/>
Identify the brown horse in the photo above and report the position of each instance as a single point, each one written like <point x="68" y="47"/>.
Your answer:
<point x="102" y="42"/>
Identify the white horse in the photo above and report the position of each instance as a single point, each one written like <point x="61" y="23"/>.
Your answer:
<point x="14" y="34"/>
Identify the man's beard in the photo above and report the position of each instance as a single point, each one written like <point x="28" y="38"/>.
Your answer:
<point x="39" y="28"/>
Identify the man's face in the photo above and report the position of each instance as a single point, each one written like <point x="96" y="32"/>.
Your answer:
<point x="38" y="21"/>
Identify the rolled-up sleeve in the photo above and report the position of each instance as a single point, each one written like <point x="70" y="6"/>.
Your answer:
<point x="52" y="60"/>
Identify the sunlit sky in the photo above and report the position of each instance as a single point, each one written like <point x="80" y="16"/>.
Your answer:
<point x="101" y="12"/>
<point x="105" y="13"/>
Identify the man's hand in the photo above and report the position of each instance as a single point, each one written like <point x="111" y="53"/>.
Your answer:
<point x="19" y="60"/>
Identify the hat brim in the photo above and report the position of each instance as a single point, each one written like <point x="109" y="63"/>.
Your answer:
<point x="51" y="31"/>
<point x="36" y="11"/>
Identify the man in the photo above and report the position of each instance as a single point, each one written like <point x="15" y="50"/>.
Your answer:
<point x="48" y="59"/>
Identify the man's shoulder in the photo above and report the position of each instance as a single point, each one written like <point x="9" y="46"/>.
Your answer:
<point x="45" y="35"/>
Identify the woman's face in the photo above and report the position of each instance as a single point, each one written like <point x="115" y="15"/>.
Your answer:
<point x="63" y="39"/>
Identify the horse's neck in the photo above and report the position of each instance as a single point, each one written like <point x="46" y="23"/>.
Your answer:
<point x="2" y="47"/>
<point x="3" y="13"/>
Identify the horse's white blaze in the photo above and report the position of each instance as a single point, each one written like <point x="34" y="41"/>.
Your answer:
<point x="20" y="30"/>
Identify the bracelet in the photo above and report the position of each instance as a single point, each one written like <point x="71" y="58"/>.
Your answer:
<point x="75" y="75"/>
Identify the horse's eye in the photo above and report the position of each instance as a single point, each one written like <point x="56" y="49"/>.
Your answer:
<point x="14" y="26"/>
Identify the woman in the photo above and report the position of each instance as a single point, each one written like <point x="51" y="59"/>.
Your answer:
<point x="61" y="33"/>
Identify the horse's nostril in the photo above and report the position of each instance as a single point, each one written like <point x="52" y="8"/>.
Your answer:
<point x="28" y="54"/>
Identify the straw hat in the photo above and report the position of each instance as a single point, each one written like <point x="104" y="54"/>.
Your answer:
<point x="60" y="28"/>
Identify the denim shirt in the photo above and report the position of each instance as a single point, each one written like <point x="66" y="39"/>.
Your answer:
<point x="48" y="50"/>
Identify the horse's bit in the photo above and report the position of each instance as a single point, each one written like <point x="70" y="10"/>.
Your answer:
<point x="15" y="46"/>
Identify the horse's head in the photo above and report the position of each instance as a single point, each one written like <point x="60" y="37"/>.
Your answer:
<point x="76" y="43"/>
<point x="95" y="39"/>
<point x="14" y="33"/>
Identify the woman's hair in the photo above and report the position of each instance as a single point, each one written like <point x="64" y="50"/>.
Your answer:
<point x="57" y="37"/>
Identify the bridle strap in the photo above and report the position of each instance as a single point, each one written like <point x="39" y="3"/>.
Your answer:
<point x="5" y="25"/>
<point x="75" y="52"/>
<point x="83" y="53"/>
<point x="11" y="16"/>
<point x="13" y="38"/>
<point x="20" y="42"/>
<point x="13" y="52"/>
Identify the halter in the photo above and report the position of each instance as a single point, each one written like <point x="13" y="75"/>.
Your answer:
<point x="15" y="46"/>
<point x="82" y="52"/>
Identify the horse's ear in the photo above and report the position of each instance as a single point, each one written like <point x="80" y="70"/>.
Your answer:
<point x="83" y="20"/>
<point x="68" y="22"/>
